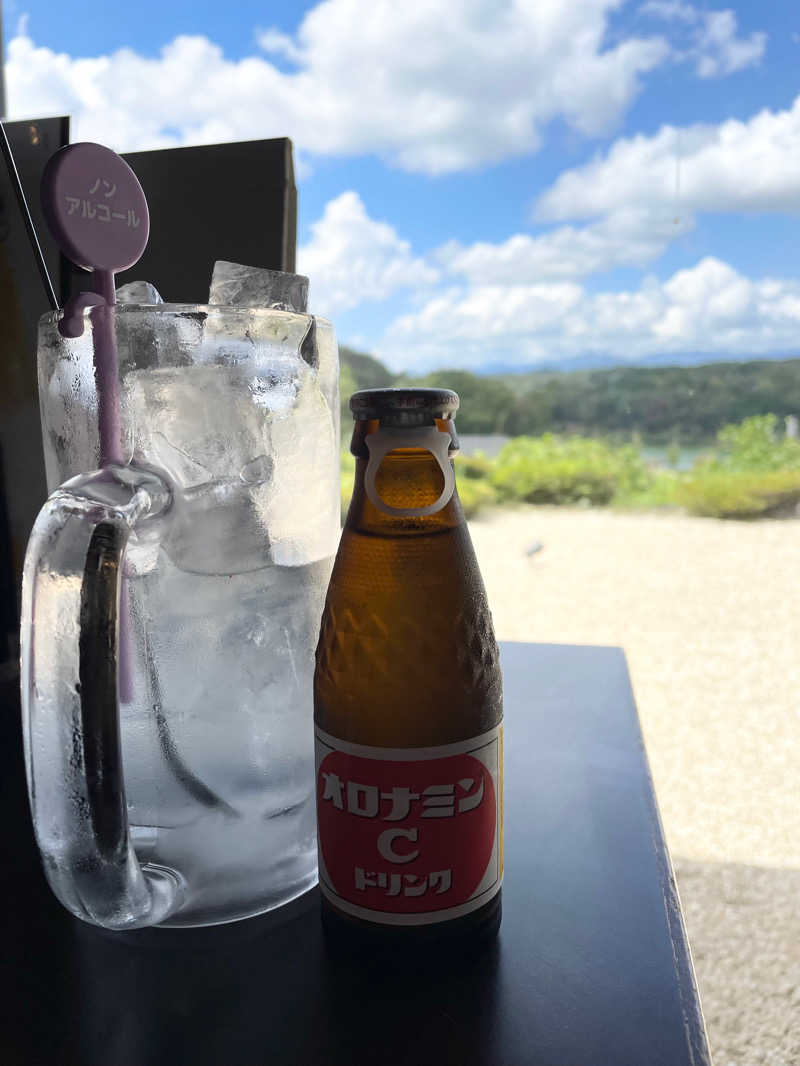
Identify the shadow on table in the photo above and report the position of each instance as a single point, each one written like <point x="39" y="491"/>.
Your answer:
<point x="268" y="991"/>
<point x="262" y="991"/>
<point x="590" y="967"/>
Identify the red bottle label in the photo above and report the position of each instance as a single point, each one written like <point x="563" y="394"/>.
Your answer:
<point x="410" y="836"/>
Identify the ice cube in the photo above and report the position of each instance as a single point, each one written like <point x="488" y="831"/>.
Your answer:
<point x="138" y="292"/>
<point x="248" y="437"/>
<point x="244" y="286"/>
<point x="298" y="506"/>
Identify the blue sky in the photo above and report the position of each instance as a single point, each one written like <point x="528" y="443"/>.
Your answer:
<point x="480" y="182"/>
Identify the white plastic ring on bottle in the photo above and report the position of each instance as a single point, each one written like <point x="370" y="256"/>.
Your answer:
<point x="386" y="439"/>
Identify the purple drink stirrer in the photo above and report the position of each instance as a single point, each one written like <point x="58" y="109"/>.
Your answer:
<point x="97" y="213"/>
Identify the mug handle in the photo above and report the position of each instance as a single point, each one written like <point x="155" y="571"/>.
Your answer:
<point x="70" y="641"/>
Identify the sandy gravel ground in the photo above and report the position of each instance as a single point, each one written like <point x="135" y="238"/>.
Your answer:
<point x="708" y="613"/>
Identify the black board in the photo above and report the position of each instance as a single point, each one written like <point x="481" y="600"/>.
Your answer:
<point x="591" y="967"/>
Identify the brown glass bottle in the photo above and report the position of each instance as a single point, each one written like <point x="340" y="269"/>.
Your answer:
<point x="408" y="695"/>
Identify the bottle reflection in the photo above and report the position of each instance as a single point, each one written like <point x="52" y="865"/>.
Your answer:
<point x="268" y="990"/>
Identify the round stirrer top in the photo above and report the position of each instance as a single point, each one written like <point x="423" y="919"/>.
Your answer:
<point x="95" y="208"/>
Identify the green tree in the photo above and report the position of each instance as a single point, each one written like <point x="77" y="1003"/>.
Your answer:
<point x="486" y="402"/>
<point x="367" y="371"/>
<point x="347" y="386"/>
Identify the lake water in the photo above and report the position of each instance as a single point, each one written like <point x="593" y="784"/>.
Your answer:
<point x="658" y="455"/>
<point x="491" y="444"/>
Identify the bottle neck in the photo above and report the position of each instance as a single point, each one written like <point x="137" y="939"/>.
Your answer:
<point x="392" y="489"/>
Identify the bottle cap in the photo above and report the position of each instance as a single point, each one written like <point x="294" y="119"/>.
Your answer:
<point x="404" y="407"/>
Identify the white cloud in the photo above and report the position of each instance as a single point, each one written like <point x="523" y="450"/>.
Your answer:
<point x="734" y="166"/>
<point x="708" y="308"/>
<point x="426" y="86"/>
<point x="712" y="43"/>
<point x="670" y="9"/>
<point x="352" y="259"/>
<point x="273" y="42"/>
<point x="521" y="302"/>
<point x="719" y="51"/>
<point x="623" y="238"/>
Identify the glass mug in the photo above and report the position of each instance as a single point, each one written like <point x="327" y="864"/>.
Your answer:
<point x="171" y="606"/>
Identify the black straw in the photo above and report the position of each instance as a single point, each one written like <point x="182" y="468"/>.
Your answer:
<point x="26" y="216"/>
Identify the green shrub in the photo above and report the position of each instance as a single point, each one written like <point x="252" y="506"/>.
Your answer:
<point x="473" y="467"/>
<point x="475" y="489"/>
<point x="347" y="473"/>
<point x="754" y="444"/>
<point x="475" y="494"/>
<point x="673" y="455"/>
<point x="661" y="491"/>
<point x="752" y="471"/>
<point x="552" y="469"/>
<point x="716" y="492"/>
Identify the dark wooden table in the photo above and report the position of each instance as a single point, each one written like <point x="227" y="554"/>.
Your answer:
<point x="591" y="967"/>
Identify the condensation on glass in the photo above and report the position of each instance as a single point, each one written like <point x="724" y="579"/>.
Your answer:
<point x="200" y="563"/>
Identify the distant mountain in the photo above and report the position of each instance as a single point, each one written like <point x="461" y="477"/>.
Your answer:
<point x="370" y="373"/>
<point x="660" y="401"/>
<point x="601" y="361"/>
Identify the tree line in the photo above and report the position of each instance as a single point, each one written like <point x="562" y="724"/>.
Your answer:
<point x="686" y="404"/>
